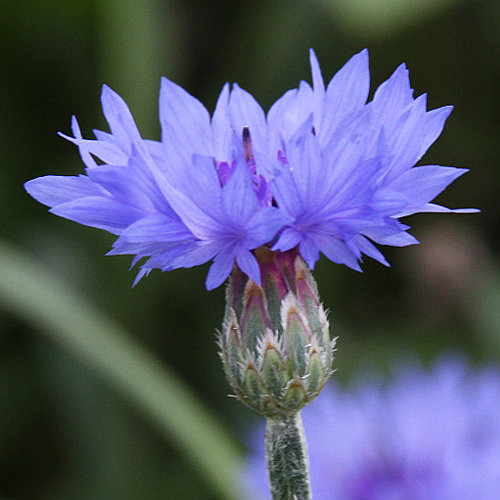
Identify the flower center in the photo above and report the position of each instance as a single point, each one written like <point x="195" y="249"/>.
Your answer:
<point x="259" y="184"/>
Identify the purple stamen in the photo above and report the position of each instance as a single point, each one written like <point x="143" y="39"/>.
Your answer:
<point x="259" y="184"/>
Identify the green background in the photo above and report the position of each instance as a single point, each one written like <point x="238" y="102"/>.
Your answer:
<point x="70" y="427"/>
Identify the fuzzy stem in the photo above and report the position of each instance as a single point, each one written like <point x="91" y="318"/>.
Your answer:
<point x="286" y="457"/>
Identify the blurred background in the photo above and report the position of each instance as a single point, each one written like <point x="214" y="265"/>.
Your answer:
<point x="64" y="432"/>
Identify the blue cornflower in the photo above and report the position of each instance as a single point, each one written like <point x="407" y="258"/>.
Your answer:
<point x="347" y="173"/>
<point x="324" y="171"/>
<point x="163" y="201"/>
<point x="424" y="435"/>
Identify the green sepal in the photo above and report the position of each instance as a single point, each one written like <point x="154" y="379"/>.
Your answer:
<point x="316" y="374"/>
<point x="295" y="396"/>
<point x="328" y="347"/>
<point x="254" y="388"/>
<point x="231" y="347"/>
<point x="254" y="320"/>
<point x="274" y="300"/>
<point x="307" y="293"/>
<point x="297" y="338"/>
<point x="274" y="372"/>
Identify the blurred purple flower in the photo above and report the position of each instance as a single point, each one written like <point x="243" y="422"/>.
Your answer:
<point x="324" y="171"/>
<point x="425" y="435"/>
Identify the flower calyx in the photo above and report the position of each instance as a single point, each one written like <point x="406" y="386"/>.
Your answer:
<point x="275" y="343"/>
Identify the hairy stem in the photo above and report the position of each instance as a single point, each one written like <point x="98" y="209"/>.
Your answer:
<point x="286" y="457"/>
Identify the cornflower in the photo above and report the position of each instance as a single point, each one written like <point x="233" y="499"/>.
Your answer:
<point x="325" y="171"/>
<point x="421" y="435"/>
<point x="261" y="197"/>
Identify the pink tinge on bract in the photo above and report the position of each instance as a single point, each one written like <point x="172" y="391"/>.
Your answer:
<point x="277" y="269"/>
<point x="279" y="272"/>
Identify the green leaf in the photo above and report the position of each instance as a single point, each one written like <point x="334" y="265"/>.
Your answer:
<point x="38" y="297"/>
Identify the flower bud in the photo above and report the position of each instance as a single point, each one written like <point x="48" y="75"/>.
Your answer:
<point x="275" y="345"/>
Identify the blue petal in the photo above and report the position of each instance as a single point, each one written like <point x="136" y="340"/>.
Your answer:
<point x="200" y="217"/>
<point x="141" y="274"/>
<point x="245" y="111"/>
<point x="433" y="126"/>
<point x="140" y="249"/>
<point x="201" y="182"/>
<point x="156" y="228"/>
<point x="220" y="269"/>
<point x="221" y="130"/>
<point x="198" y="253"/>
<point x="264" y="225"/>
<point x="127" y="185"/>
<point x="364" y="246"/>
<point x="279" y="117"/>
<point x="387" y="236"/>
<point x="202" y="224"/>
<point x="286" y="193"/>
<point x="388" y="201"/>
<point x="100" y="135"/>
<point x="316" y="173"/>
<point x="238" y="197"/>
<point x="431" y="207"/>
<point x="248" y="264"/>
<point x="288" y="239"/>
<point x="346" y="93"/>
<point x="336" y="250"/>
<point x="288" y="114"/>
<point x="165" y="257"/>
<point x="99" y="212"/>
<point x="406" y="138"/>
<point x="317" y="78"/>
<point x="345" y="170"/>
<point x="309" y="251"/>
<point x="392" y="96"/>
<point x="185" y="118"/>
<point x="269" y="167"/>
<point x="108" y="152"/>
<point x="84" y="154"/>
<point x="422" y="184"/>
<point x="120" y="120"/>
<point x="52" y="190"/>
<point x="318" y="87"/>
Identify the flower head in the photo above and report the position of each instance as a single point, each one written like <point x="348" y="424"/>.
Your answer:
<point x="430" y="435"/>
<point x="324" y="171"/>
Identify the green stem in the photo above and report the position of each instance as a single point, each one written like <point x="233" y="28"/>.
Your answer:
<point x="286" y="456"/>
